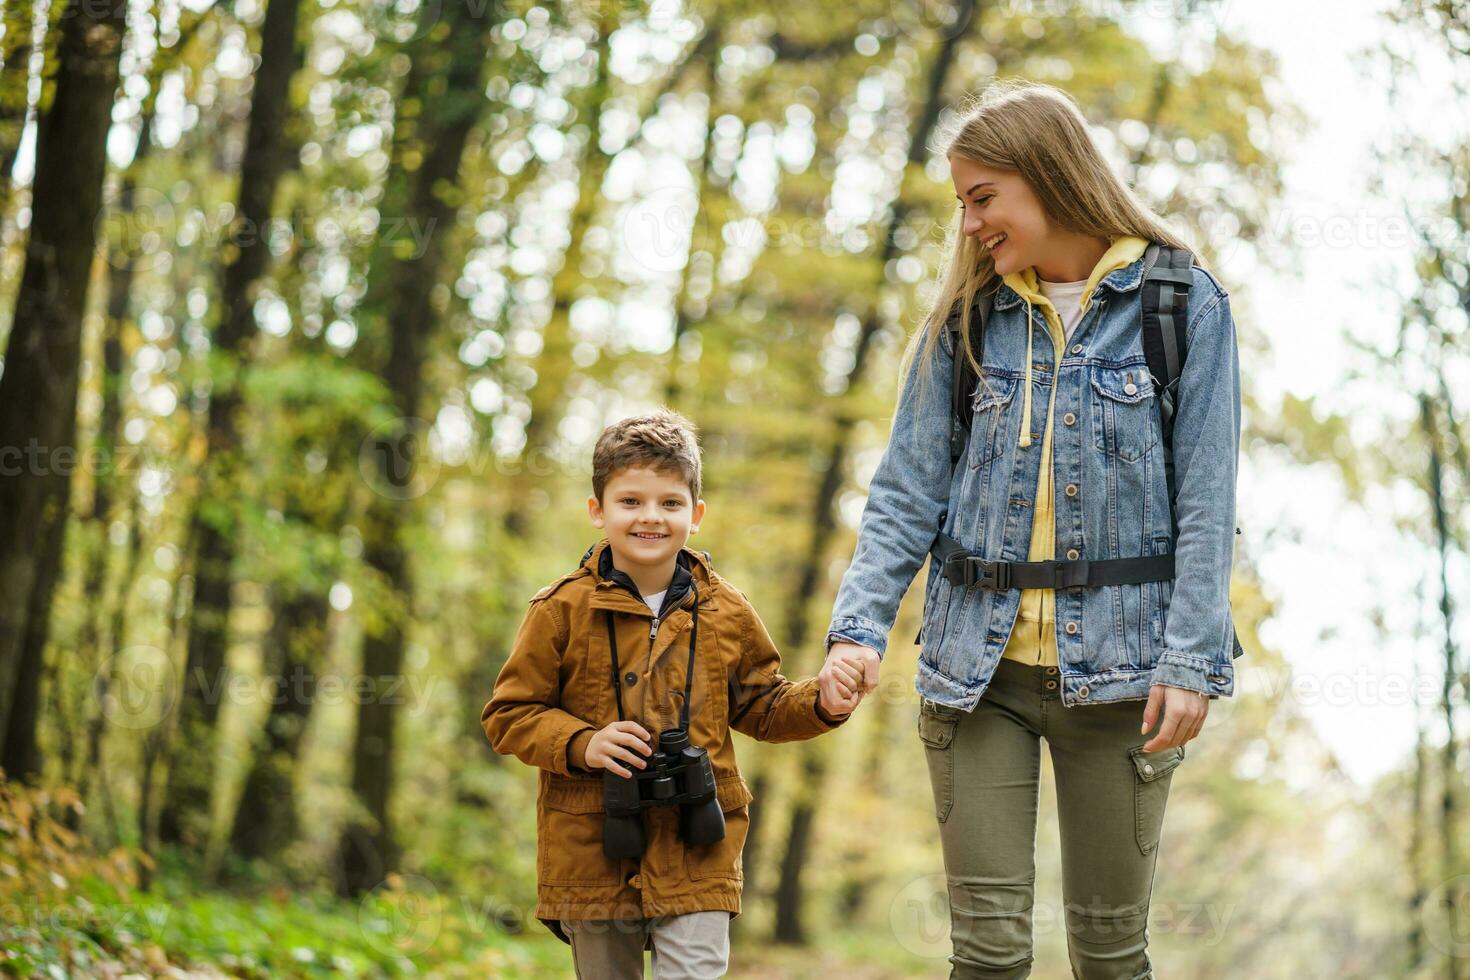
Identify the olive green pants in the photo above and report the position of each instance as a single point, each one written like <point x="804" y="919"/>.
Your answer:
<point x="985" y="767"/>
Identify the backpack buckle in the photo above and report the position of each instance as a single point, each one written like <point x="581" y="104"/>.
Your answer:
<point x="969" y="571"/>
<point x="992" y="574"/>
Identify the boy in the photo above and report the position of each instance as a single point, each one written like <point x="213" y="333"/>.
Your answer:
<point x="641" y="639"/>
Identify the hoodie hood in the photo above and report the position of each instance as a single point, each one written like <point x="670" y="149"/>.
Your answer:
<point x="1124" y="251"/>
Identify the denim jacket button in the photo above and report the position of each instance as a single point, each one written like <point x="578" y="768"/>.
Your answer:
<point x="1130" y="389"/>
<point x="1069" y="418"/>
<point x="1082" y="692"/>
<point x="1071" y="489"/>
<point x="1071" y="627"/>
<point x="1076" y="348"/>
<point x="1073" y="554"/>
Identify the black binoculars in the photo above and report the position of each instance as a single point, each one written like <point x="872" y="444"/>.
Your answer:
<point x="677" y="774"/>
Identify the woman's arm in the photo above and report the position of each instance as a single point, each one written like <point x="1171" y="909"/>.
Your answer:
<point x="906" y="506"/>
<point x="1198" y="634"/>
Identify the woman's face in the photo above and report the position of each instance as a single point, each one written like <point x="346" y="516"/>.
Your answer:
<point x="1001" y="213"/>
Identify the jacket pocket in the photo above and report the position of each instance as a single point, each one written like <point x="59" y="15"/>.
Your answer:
<point x="569" y="839"/>
<point x="1153" y="773"/>
<point x="937" y="724"/>
<point x="936" y="612"/>
<point x="989" y="400"/>
<point x="722" y="859"/>
<point x="1123" y="411"/>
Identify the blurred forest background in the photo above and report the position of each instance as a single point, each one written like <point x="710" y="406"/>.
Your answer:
<point x="311" y="312"/>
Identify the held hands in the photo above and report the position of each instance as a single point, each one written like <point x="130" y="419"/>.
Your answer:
<point x="1184" y="715"/>
<point x="851" y="671"/>
<point x="619" y="742"/>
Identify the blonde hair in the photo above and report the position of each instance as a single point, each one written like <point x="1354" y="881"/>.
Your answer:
<point x="1036" y="131"/>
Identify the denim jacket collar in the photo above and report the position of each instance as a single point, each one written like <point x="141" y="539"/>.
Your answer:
<point x="1121" y="280"/>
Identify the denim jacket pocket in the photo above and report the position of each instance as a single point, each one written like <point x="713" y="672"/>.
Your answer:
<point x="989" y="400"/>
<point x="1123" y="410"/>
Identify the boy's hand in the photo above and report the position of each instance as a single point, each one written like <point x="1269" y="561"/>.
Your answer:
<point x="850" y="672"/>
<point x="618" y="742"/>
<point x="838" y="703"/>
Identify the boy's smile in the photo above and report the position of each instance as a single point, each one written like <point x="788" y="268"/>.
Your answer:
<point x="648" y="516"/>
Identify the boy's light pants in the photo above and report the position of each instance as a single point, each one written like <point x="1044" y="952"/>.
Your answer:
<point x="985" y="768"/>
<point x="694" y="946"/>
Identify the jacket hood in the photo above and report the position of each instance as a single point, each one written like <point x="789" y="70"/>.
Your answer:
<point x="692" y="572"/>
<point x="1123" y="252"/>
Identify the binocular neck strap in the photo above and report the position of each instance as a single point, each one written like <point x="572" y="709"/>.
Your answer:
<point x="617" y="671"/>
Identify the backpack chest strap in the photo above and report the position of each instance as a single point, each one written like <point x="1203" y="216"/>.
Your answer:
<point x="964" y="569"/>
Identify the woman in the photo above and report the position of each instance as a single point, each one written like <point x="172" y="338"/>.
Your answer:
<point x="1064" y="399"/>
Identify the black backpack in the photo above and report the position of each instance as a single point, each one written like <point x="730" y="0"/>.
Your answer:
<point x="1166" y="282"/>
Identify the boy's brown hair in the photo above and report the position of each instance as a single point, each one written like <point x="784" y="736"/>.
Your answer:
<point x="663" y="441"/>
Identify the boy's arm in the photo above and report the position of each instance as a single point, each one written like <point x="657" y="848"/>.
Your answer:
<point x="763" y="703"/>
<point x="523" y="717"/>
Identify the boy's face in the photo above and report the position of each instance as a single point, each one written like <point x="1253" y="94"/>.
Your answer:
<point x="648" y="515"/>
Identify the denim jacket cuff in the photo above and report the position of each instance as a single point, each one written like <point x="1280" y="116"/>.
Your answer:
<point x="1195" y="674"/>
<point x="855" y="629"/>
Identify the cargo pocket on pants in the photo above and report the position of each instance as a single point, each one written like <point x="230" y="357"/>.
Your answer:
<point x="1154" y="772"/>
<point x="937" y="724"/>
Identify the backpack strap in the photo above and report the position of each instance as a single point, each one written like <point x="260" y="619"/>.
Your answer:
<point x="965" y="377"/>
<point x="1167" y="278"/>
<point x="1166" y="281"/>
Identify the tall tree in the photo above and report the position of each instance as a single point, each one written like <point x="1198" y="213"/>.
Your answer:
<point x="191" y="763"/>
<point x="1450" y="776"/>
<point x="442" y="99"/>
<point x="38" y="391"/>
<point x="553" y="365"/>
<point x="101" y="624"/>
<point x="789" y="891"/>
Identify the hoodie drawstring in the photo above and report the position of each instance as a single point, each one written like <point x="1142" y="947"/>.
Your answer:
<point x="1025" y="441"/>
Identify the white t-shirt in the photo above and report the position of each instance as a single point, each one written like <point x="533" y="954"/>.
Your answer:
<point x="656" y="600"/>
<point x="1067" y="298"/>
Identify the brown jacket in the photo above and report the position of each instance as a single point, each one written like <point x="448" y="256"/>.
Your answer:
<point x="556" y="690"/>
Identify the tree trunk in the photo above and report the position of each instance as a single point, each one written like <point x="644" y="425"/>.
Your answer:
<point x="684" y="313"/>
<point x="1449" y="762"/>
<point x="441" y="101"/>
<point x="1417" y="813"/>
<point x="265" y="821"/>
<point x="38" y="390"/>
<point x="789" y="893"/>
<point x="553" y="365"/>
<point x="120" y="266"/>
<point x="185" y="816"/>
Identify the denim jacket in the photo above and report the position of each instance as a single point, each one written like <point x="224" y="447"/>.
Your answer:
<point x="1113" y="642"/>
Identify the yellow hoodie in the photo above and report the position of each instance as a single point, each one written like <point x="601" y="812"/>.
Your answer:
<point x="1034" y="638"/>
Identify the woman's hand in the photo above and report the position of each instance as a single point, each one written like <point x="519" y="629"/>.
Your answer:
<point x="850" y="672"/>
<point x="617" y="743"/>
<point x="1184" y="715"/>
